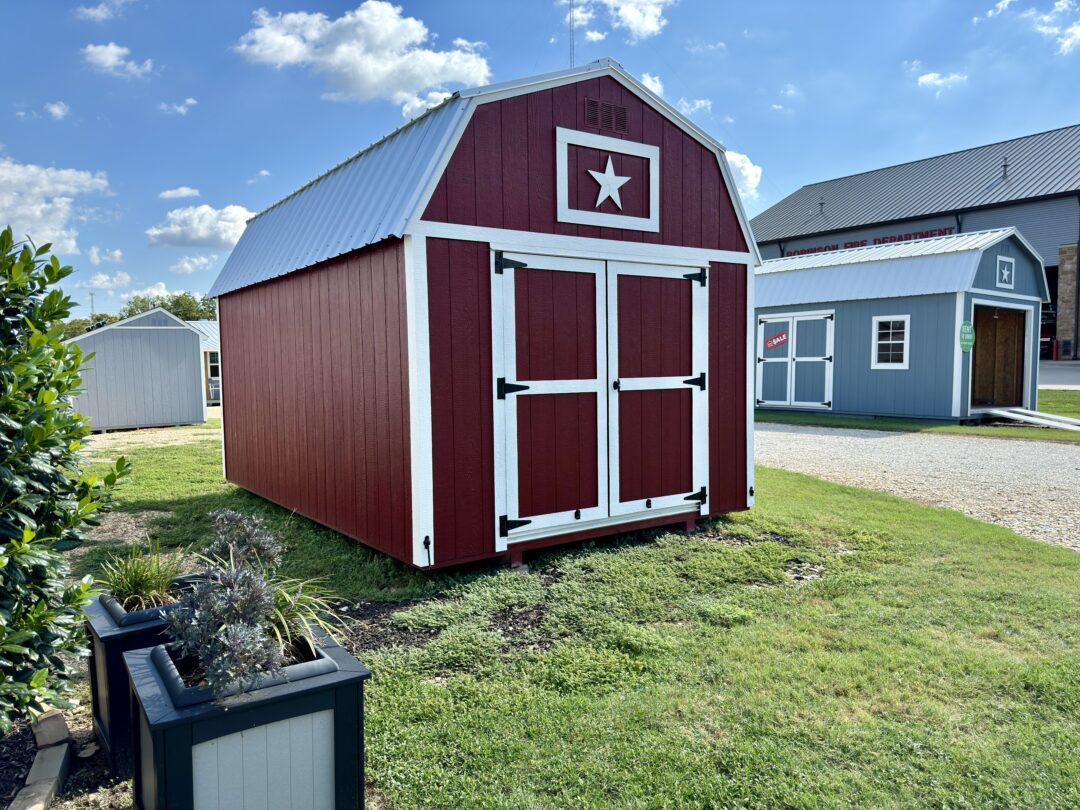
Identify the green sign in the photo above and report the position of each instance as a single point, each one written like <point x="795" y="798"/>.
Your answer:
<point x="967" y="336"/>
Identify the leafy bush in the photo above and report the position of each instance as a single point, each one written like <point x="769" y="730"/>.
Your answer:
<point x="141" y="579"/>
<point x="45" y="496"/>
<point x="243" y="621"/>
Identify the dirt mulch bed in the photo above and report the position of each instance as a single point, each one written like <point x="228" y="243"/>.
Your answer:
<point x="521" y="628"/>
<point x="17" y="752"/>
<point x="370" y="626"/>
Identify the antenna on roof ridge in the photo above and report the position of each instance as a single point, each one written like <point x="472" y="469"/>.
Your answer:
<point x="1005" y="168"/>
<point x="821" y="206"/>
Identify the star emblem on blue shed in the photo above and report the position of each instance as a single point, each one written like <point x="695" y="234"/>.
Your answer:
<point x="610" y="183"/>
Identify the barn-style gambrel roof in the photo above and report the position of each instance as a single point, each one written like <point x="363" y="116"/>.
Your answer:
<point x="378" y="192"/>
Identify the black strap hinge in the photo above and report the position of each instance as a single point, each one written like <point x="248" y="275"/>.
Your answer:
<point x="699" y="381"/>
<point x="700" y="496"/>
<point x="701" y="276"/>
<point x="502" y="263"/>
<point x="827" y="404"/>
<point x="506" y="525"/>
<point x="502" y="388"/>
<point x="828" y="359"/>
<point x="830" y="316"/>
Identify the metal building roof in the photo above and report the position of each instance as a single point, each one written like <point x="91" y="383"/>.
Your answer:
<point x="945" y="264"/>
<point x="1040" y="165"/>
<point x="364" y="200"/>
<point x="208" y="331"/>
<point x="373" y="195"/>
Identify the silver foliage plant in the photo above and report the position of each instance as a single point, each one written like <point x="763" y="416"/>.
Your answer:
<point x="226" y="621"/>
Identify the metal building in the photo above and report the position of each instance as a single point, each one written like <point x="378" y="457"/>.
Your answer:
<point x="1031" y="183"/>
<point x="523" y="318"/>
<point x="887" y="330"/>
<point x="146" y="372"/>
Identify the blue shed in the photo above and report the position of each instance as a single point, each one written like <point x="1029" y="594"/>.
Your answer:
<point x="884" y="330"/>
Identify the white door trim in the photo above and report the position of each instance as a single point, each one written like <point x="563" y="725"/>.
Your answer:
<point x="699" y="330"/>
<point x="761" y="361"/>
<point x="826" y="358"/>
<point x="504" y="365"/>
<point x="1029" y="320"/>
<point x="793" y="319"/>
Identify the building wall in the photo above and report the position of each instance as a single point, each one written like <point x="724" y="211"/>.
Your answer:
<point x="1027" y="280"/>
<point x="502" y="173"/>
<point x="1046" y="224"/>
<point x="317" y="414"/>
<point x="924" y="389"/>
<point x="142" y="377"/>
<point x="1068" y="319"/>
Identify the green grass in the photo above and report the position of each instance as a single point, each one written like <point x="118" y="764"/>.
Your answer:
<point x="1064" y="403"/>
<point x="935" y="663"/>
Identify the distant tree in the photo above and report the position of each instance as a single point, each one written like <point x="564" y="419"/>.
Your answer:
<point x="183" y="305"/>
<point x="77" y="326"/>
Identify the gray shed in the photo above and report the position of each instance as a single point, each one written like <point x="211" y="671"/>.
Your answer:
<point x="884" y="330"/>
<point x="147" y="371"/>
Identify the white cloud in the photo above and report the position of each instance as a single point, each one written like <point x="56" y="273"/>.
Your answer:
<point x="1052" y="25"/>
<point x="595" y="36"/>
<point x="653" y="83"/>
<point x="179" y="193"/>
<point x="467" y="45"/>
<point x="789" y="90"/>
<point x="178" y="109"/>
<point x="940" y="82"/>
<point x="371" y="52"/>
<point x="729" y="119"/>
<point x="1070" y="39"/>
<point x="58" y="110"/>
<point x="113" y="59"/>
<point x="693" y="106"/>
<point x="640" y="19"/>
<point x="777" y="107"/>
<point x="37" y="201"/>
<point x="155" y="290"/>
<point x="103" y="281"/>
<point x="103" y="11"/>
<point x="911" y="65"/>
<point x="97" y="255"/>
<point x="747" y="173"/>
<point x="259" y="175"/>
<point x="202" y="226"/>
<point x="706" y="47"/>
<point x="187" y="265"/>
<point x="992" y="12"/>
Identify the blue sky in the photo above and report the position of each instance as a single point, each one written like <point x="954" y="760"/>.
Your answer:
<point x="108" y="104"/>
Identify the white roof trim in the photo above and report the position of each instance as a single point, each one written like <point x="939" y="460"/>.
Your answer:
<point x="134" y="318"/>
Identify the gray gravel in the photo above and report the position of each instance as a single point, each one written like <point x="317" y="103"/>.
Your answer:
<point x="1030" y="487"/>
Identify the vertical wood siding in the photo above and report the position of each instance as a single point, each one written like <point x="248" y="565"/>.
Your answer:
<point x="727" y="388"/>
<point x="656" y="452"/>
<point x="278" y="766"/>
<point x="142" y="377"/>
<point x="463" y="460"/>
<point x="556" y="453"/>
<point x="316" y="412"/>
<point x="502" y="173"/>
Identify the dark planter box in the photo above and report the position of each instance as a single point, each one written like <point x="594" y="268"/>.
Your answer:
<point x="113" y="631"/>
<point x="297" y="741"/>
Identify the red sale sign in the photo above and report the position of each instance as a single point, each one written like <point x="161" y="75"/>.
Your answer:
<point x="776" y="340"/>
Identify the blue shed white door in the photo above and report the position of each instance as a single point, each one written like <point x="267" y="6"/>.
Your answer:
<point x="795" y="360"/>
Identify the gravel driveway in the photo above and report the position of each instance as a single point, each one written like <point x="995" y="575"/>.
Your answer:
<point x="1031" y="487"/>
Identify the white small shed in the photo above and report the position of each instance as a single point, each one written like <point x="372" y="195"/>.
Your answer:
<point x="146" y="371"/>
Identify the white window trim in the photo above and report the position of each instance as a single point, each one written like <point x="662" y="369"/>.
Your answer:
<point x="1012" y="273"/>
<point x="874" y="364"/>
<point x="564" y="139"/>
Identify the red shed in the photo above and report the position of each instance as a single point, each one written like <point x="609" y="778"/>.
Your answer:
<point x="521" y="319"/>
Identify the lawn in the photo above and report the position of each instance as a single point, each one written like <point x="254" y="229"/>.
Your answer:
<point x="1063" y="403"/>
<point x="831" y="648"/>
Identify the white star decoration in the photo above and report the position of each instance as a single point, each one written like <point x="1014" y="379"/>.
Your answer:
<point x="610" y="183"/>
<point x="1004" y="270"/>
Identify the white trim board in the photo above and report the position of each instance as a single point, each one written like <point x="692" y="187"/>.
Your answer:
<point x="875" y="365"/>
<point x="564" y="139"/>
<point x="958" y="357"/>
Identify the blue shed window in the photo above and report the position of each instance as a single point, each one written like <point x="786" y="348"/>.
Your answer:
<point x="890" y="342"/>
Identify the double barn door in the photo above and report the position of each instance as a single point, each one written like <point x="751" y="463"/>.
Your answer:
<point x="795" y="360"/>
<point x="601" y="405"/>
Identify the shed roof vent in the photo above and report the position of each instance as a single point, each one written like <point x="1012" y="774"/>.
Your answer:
<point x="605" y="115"/>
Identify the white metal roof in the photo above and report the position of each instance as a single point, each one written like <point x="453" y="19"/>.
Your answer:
<point x="375" y="194"/>
<point x="944" y="264"/>
<point x="131" y="319"/>
<point x="208" y="330"/>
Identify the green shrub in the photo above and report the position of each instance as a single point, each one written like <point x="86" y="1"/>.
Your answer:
<point x="141" y="579"/>
<point x="45" y="496"/>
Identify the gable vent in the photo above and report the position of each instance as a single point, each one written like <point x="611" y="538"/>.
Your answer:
<point x="605" y="115"/>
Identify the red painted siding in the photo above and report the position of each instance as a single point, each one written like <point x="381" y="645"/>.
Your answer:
<point x="656" y="452"/>
<point x="463" y="460"/>
<point x="502" y="173"/>
<point x="727" y="388"/>
<point x="556" y="453"/>
<point x="317" y="414"/>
